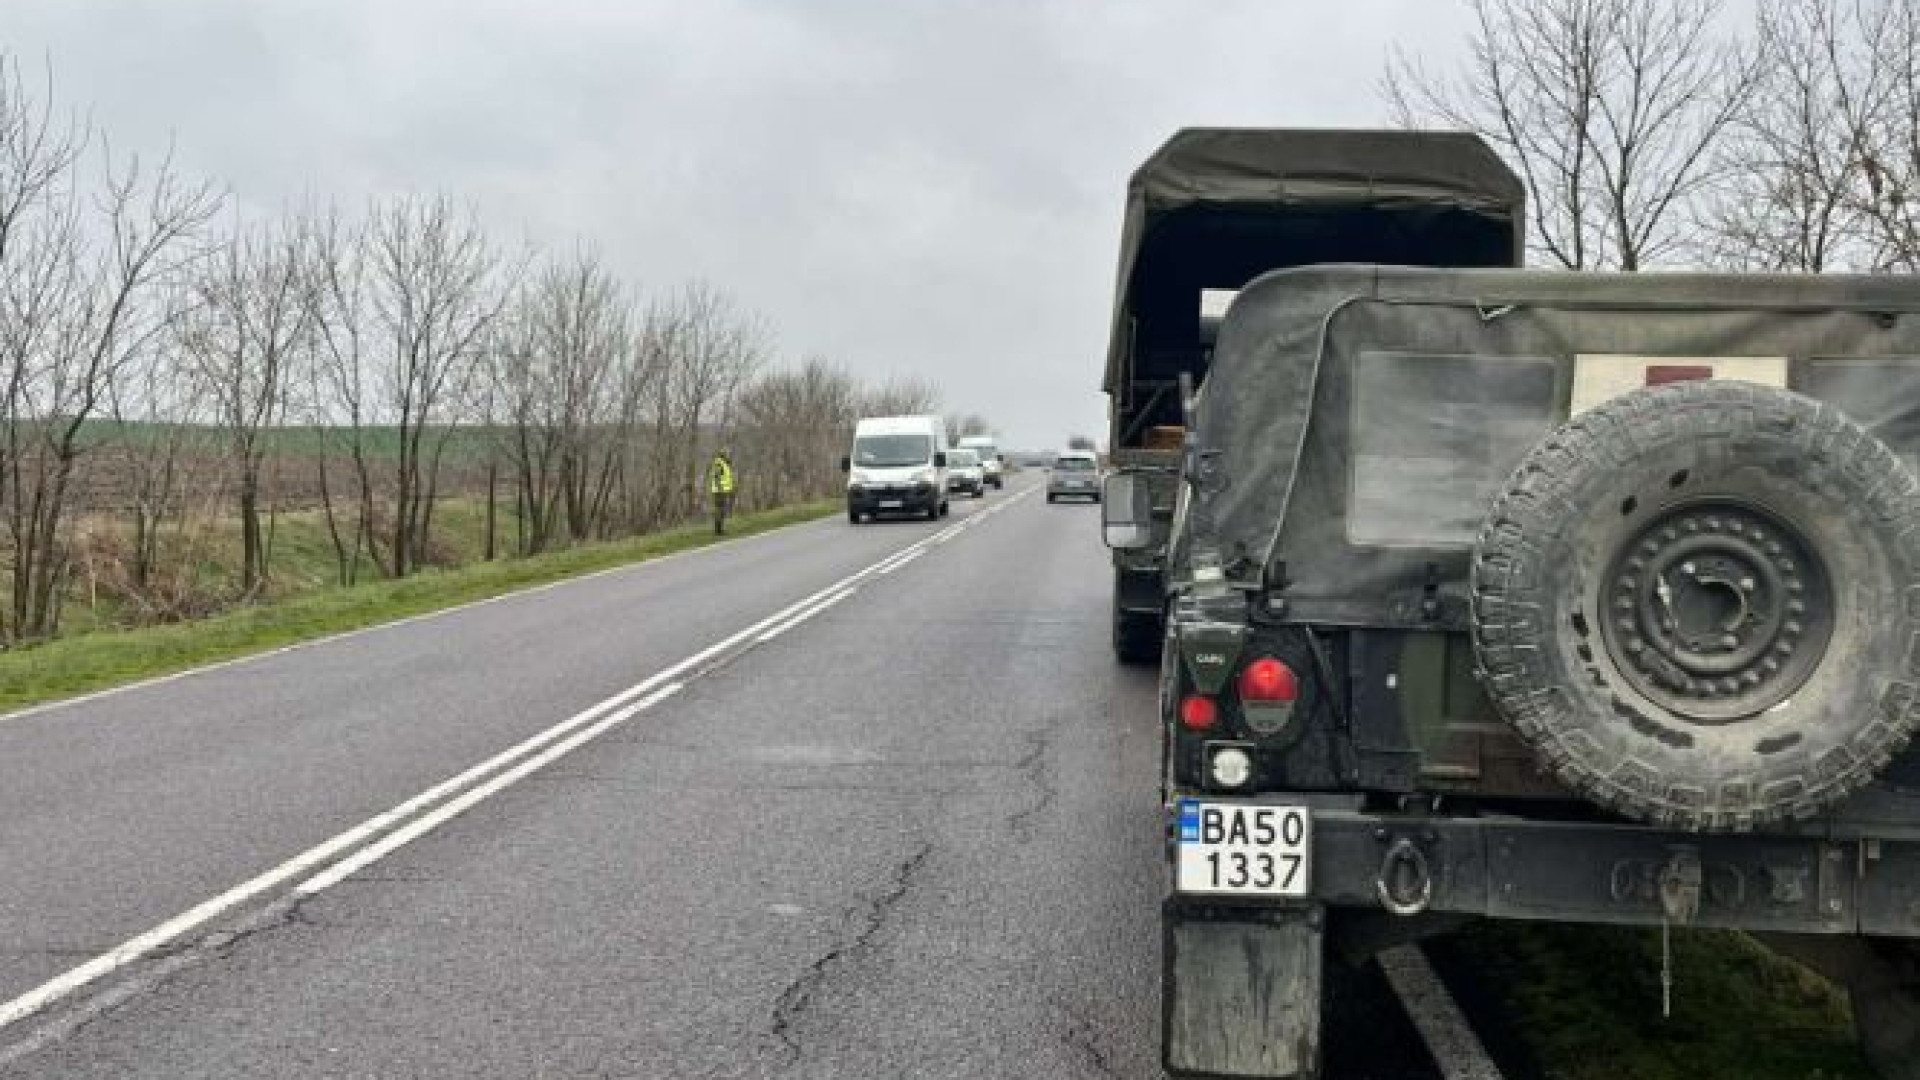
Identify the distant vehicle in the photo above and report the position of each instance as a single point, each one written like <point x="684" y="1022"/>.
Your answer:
<point x="991" y="460"/>
<point x="966" y="472"/>
<point x="1075" y="475"/>
<point x="898" y="466"/>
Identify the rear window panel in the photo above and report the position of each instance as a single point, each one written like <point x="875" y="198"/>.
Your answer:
<point x="1434" y="437"/>
<point x="1880" y="393"/>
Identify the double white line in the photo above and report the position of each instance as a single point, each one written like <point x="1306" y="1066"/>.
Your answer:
<point x="328" y="863"/>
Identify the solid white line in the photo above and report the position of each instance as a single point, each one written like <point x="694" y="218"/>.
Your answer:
<point x="812" y="611"/>
<point x="314" y="858"/>
<point x="426" y="823"/>
<point x="1456" y="1049"/>
<point x="905" y="553"/>
<point x="898" y="563"/>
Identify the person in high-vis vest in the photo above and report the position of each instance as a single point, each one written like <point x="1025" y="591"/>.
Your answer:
<point x="720" y="489"/>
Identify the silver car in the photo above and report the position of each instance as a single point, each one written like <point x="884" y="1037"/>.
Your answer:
<point x="1075" y="475"/>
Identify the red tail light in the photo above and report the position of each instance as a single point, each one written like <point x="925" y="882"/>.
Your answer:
<point x="1269" y="681"/>
<point x="1199" y="713"/>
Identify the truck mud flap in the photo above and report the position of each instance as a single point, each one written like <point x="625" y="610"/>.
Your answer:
<point x="1241" y="991"/>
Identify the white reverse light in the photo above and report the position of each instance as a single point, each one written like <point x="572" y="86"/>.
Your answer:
<point x="1231" y="767"/>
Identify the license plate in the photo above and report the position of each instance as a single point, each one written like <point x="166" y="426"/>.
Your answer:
<point x="1243" y="849"/>
<point x="889" y="504"/>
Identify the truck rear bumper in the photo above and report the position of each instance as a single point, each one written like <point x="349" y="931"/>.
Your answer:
<point x="1598" y="873"/>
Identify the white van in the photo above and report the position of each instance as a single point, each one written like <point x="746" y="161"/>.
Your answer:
<point x="898" y="466"/>
<point x="990" y="458"/>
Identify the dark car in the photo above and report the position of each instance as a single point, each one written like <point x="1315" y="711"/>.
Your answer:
<point x="1545" y="596"/>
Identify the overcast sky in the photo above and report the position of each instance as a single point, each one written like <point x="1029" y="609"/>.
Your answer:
<point x="902" y="186"/>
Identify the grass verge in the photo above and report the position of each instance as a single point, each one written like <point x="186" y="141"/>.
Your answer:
<point x="1583" y="1003"/>
<point x="105" y="658"/>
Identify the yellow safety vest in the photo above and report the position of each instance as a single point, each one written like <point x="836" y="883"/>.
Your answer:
<point x="720" y="479"/>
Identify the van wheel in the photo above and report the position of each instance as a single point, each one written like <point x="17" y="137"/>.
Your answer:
<point x="853" y="516"/>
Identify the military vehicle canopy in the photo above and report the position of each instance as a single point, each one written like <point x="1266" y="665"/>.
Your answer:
<point x="1363" y="418"/>
<point x="1214" y="207"/>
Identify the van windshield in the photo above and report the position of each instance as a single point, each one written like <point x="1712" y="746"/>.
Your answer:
<point x="892" y="451"/>
<point x="962" y="459"/>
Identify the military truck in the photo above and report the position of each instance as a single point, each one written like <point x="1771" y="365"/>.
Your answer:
<point x="1539" y="595"/>
<point x="1214" y="207"/>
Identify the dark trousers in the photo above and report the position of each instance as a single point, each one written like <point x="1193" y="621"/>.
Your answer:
<point x="722" y="507"/>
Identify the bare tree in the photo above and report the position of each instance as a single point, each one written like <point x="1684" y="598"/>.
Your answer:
<point x="250" y="328"/>
<point x="80" y="273"/>
<point x="436" y="290"/>
<point x="1609" y="110"/>
<point x="341" y="384"/>
<point x="1886" y="111"/>
<point x="570" y="336"/>
<point x="794" y="425"/>
<point x="159" y="419"/>
<point x="901" y="396"/>
<point x="966" y="425"/>
<point x="704" y="349"/>
<point x="1792" y="159"/>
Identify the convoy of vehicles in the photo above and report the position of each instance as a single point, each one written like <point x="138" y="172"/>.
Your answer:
<point x="1213" y="208"/>
<point x="1074" y="474"/>
<point x="1523" y="595"/>
<point x="965" y="473"/>
<point x="1487" y="592"/>
<point x="898" y="466"/>
<point x="991" y="460"/>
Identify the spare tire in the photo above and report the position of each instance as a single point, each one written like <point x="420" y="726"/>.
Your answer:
<point x="1700" y="605"/>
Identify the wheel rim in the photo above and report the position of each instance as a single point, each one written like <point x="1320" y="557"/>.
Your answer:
<point x="1717" y="610"/>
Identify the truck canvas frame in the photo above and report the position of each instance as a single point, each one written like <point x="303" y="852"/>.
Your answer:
<point x="1213" y="208"/>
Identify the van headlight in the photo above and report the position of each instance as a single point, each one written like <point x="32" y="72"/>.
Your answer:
<point x="924" y="476"/>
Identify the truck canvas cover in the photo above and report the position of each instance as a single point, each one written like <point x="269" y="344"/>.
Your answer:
<point x="1360" y="419"/>
<point x="1214" y="207"/>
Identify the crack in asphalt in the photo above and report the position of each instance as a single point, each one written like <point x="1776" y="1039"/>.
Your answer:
<point x="1079" y="1036"/>
<point x="1033" y="765"/>
<point x="868" y="919"/>
<point x="156" y="970"/>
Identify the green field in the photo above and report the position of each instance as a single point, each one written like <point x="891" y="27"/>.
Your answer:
<point x="380" y="442"/>
<point x="305" y="604"/>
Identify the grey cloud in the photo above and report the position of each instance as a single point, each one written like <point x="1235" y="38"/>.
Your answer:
<point x="904" y="186"/>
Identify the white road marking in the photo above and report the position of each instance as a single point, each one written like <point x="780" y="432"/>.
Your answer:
<point x="546" y="746"/>
<point x="1456" y="1049"/>
<point x="818" y="608"/>
<point x="426" y="823"/>
<point x="898" y="563"/>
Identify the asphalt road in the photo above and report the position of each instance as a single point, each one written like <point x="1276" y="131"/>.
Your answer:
<point x="914" y="834"/>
